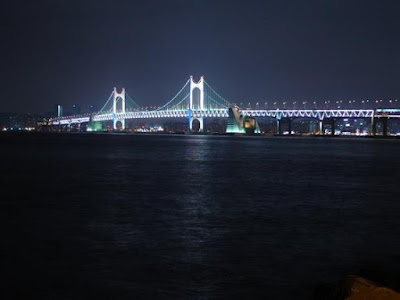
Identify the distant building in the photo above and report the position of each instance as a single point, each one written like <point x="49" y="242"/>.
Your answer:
<point x="25" y="121"/>
<point x="176" y="127"/>
<point x="60" y="110"/>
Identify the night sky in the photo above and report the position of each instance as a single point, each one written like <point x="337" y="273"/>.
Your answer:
<point x="77" y="51"/>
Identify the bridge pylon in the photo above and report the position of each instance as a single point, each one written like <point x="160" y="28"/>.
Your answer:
<point x="116" y="97"/>
<point x="196" y="85"/>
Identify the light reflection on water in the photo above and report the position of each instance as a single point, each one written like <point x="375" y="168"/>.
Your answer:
<point x="199" y="216"/>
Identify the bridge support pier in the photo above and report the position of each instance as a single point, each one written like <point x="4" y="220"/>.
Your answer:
<point x="373" y="126"/>
<point x="385" y="126"/>
<point x="384" y="121"/>
<point x="282" y="124"/>
<point x="191" y="119"/>
<point x="201" y="121"/>
<point x="332" y="123"/>
<point x="115" y="121"/>
<point x="321" y="128"/>
<point x="278" y="127"/>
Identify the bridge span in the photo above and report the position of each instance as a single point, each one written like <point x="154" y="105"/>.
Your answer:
<point x="209" y="104"/>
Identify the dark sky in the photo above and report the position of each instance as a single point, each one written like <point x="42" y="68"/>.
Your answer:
<point x="68" y="51"/>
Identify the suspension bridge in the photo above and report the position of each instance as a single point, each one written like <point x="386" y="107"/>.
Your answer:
<point x="207" y="103"/>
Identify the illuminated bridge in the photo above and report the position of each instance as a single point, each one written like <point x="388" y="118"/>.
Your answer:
<point x="120" y="107"/>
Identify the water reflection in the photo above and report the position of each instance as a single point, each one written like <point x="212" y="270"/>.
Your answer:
<point x="197" y="216"/>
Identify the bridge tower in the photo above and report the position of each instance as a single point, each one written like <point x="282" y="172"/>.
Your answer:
<point x="196" y="85"/>
<point x="116" y="97"/>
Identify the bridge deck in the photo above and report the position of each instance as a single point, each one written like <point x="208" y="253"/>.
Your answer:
<point x="223" y="113"/>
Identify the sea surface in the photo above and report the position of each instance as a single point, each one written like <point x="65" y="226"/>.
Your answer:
<point x="117" y="216"/>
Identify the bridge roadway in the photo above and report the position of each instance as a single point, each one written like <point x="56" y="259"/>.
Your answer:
<point x="319" y="114"/>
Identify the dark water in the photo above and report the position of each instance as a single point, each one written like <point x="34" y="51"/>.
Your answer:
<point x="194" y="217"/>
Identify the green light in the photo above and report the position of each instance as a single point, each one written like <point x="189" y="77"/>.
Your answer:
<point x="389" y="110"/>
<point x="96" y="126"/>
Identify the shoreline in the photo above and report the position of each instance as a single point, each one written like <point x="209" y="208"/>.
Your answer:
<point x="378" y="137"/>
